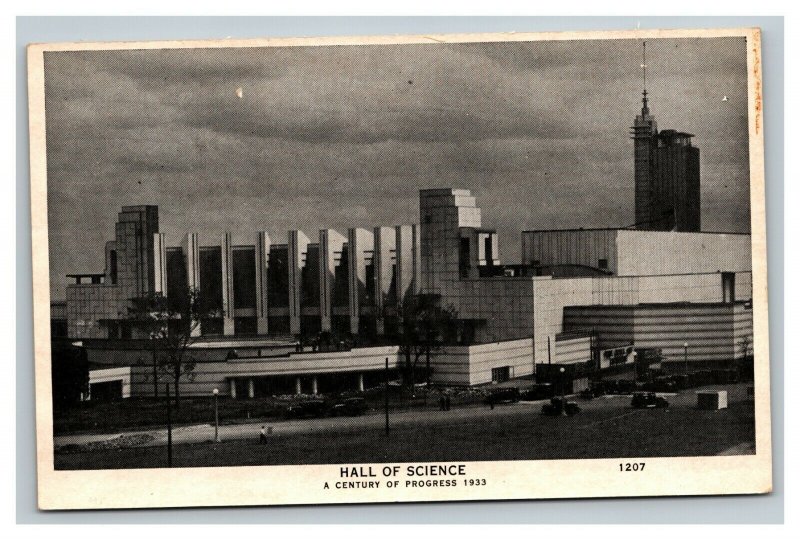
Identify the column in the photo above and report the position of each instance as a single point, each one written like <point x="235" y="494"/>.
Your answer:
<point x="298" y="386"/>
<point x="227" y="284"/>
<point x="298" y="245"/>
<point x="359" y="241"/>
<point x="404" y="260"/>
<point x="263" y="245"/>
<point x="159" y="264"/>
<point x="330" y="252"/>
<point x="233" y="388"/>
<point x="360" y="382"/>
<point x="191" y="252"/>
<point x="385" y="241"/>
<point x="251" y="389"/>
<point x="416" y="257"/>
<point x="314" y="388"/>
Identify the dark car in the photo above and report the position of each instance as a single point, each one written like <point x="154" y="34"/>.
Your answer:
<point x="355" y="406"/>
<point x="647" y="400"/>
<point x="307" y="409"/>
<point x="597" y="388"/>
<point x="559" y="406"/>
<point x="502" y="395"/>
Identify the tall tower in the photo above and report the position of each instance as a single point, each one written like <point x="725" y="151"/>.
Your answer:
<point x="134" y="250"/>
<point x="643" y="134"/>
<point x="666" y="172"/>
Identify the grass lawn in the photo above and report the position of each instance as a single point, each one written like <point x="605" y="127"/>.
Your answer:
<point x="598" y="432"/>
<point x="128" y="414"/>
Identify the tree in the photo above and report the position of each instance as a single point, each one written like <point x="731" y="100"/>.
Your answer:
<point x="70" y="373"/>
<point x="746" y="347"/>
<point x="425" y="325"/>
<point x="171" y="322"/>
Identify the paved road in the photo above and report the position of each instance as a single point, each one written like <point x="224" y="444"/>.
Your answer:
<point x="374" y="420"/>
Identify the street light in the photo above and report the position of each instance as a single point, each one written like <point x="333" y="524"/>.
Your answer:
<point x="216" y="415"/>
<point x="685" y="358"/>
<point x="635" y="356"/>
<point x="562" y="370"/>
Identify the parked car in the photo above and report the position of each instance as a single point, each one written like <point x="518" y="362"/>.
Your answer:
<point x="647" y="400"/>
<point x="597" y="388"/>
<point x="502" y="395"/>
<point x="354" y="406"/>
<point x="559" y="406"/>
<point x="307" y="409"/>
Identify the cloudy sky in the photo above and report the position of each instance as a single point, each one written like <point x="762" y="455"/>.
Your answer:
<point x="346" y="136"/>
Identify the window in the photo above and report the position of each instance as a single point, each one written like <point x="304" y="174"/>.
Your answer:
<point x="244" y="278"/>
<point x="464" y="257"/>
<point x="113" y="270"/>
<point x="501" y="374"/>
<point x="211" y="276"/>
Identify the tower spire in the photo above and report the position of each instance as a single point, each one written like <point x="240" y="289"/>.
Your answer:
<point x="645" y="109"/>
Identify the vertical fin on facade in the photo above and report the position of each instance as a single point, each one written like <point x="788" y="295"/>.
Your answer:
<point x="160" y="264"/>
<point x="263" y="247"/>
<point x="227" y="284"/>
<point x="331" y="244"/>
<point x="361" y="243"/>
<point x="298" y="247"/>
<point x="191" y="252"/>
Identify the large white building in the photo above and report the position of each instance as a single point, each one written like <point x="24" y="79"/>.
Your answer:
<point x="570" y="283"/>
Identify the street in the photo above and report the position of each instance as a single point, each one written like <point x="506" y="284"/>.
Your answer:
<point x="606" y="424"/>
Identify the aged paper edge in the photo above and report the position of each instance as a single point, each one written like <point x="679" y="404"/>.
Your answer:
<point x="301" y="484"/>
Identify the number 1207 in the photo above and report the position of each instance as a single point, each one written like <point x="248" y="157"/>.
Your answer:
<point x="627" y="467"/>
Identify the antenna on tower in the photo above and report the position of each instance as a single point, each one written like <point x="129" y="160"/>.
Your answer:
<point x="644" y="66"/>
<point x="645" y="110"/>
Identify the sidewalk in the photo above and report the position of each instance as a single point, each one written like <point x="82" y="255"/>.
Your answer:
<point x="376" y="419"/>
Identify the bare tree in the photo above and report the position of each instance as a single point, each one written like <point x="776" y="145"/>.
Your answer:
<point x="746" y="346"/>
<point x="424" y="327"/>
<point x="172" y="323"/>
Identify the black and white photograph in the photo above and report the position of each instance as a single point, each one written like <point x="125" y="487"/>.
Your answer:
<point x="384" y="269"/>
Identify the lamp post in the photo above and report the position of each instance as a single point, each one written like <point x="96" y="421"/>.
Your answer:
<point x="386" y="396"/>
<point x="561" y="370"/>
<point x="216" y="415"/>
<point x="635" y="357"/>
<point x="153" y="337"/>
<point x="685" y="358"/>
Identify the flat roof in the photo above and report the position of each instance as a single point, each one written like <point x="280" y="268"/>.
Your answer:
<point x="664" y="305"/>
<point x="577" y="229"/>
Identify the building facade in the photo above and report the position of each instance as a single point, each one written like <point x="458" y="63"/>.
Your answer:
<point x="573" y="292"/>
<point x="513" y="317"/>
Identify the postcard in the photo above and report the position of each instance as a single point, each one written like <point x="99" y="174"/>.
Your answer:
<point x="399" y="268"/>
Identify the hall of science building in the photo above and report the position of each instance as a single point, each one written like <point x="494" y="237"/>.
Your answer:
<point x="577" y="296"/>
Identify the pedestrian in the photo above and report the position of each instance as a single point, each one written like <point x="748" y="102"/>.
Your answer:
<point x="262" y="438"/>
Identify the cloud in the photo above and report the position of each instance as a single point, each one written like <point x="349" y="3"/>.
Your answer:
<point x="346" y="136"/>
